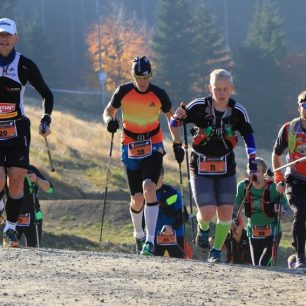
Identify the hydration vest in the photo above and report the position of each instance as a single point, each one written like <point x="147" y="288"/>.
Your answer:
<point x="267" y="205"/>
<point x="201" y="136"/>
<point x="296" y="146"/>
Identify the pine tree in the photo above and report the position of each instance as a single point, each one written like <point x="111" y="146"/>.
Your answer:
<point x="209" y="50"/>
<point x="259" y="79"/>
<point x="171" y="48"/>
<point x="265" y="31"/>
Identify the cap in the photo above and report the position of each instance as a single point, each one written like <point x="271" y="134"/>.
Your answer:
<point x="141" y="67"/>
<point x="8" y="25"/>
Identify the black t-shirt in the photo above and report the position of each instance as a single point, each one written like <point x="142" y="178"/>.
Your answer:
<point x="200" y="113"/>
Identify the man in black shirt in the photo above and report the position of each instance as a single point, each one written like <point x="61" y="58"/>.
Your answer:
<point x="15" y="72"/>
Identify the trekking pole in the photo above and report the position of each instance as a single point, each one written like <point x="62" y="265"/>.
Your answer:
<point x="290" y="164"/>
<point x="247" y="191"/>
<point x="106" y="185"/>
<point x="183" y="206"/>
<point x="189" y="185"/>
<point x="35" y="219"/>
<point x="49" y="155"/>
<point x="276" y="232"/>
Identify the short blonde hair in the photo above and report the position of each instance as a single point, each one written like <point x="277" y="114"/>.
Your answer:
<point x="302" y="96"/>
<point x="220" y="74"/>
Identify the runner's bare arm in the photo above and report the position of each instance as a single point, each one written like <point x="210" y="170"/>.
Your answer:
<point x="277" y="161"/>
<point x="109" y="113"/>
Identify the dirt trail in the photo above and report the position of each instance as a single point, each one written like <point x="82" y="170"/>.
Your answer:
<point x="61" y="277"/>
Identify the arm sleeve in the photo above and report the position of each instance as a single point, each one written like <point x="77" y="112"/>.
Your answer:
<point x="250" y="145"/>
<point x="36" y="80"/>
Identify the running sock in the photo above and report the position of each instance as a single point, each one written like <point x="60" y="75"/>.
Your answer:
<point x="151" y="213"/>
<point x="137" y="218"/>
<point x="222" y="229"/>
<point x="204" y="226"/>
<point x="12" y="209"/>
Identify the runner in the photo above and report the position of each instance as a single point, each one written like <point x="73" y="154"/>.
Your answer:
<point x="292" y="136"/>
<point x="15" y="72"/>
<point x="169" y="228"/>
<point x="30" y="221"/>
<point x="260" y="208"/>
<point x="213" y="168"/>
<point x="142" y="147"/>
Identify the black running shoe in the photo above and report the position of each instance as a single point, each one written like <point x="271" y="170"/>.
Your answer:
<point x="139" y="244"/>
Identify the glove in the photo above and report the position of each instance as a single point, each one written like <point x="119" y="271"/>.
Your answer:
<point x="112" y="125"/>
<point x="253" y="169"/>
<point x="179" y="153"/>
<point x="45" y="123"/>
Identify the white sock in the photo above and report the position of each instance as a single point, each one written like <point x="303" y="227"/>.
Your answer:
<point x="137" y="218"/>
<point x="151" y="214"/>
<point x="9" y="225"/>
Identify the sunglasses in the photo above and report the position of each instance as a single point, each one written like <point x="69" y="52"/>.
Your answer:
<point x="303" y="104"/>
<point x="142" y="77"/>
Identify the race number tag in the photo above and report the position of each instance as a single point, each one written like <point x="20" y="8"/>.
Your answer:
<point x="8" y="130"/>
<point x="261" y="231"/>
<point x="140" y="149"/>
<point x="24" y="220"/>
<point x="212" y="165"/>
<point x="163" y="239"/>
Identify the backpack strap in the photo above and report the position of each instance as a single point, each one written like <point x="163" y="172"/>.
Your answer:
<point x="292" y="135"/>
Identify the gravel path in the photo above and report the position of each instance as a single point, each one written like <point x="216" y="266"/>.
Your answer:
<point x="61" y="277"/>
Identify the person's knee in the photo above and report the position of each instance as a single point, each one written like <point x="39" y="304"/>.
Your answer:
<point x="149" y="187"/>
<point x="137" y="202"/>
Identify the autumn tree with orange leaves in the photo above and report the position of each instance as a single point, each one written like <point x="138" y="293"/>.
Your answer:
<point x="122" y="38"/>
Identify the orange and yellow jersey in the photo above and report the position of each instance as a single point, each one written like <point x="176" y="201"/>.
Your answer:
<point x="141" y="110"/>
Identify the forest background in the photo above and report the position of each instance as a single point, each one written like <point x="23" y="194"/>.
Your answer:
<point x="77" y="42"/>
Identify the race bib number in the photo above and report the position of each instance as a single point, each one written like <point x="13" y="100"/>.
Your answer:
<point x="261" y="231"/>
<point x="8" y="130"/>
<point x="24" y="220"/>
<point x="140" y="149"/>
<point x="163" y="239"/>
<point x="212" y="165"/>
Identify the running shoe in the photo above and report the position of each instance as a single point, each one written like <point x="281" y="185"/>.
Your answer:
<point x="139" y="244"/>
<point x="10" y="239"/>
<point x="202" y="239"/>
<point x="214" y="256"/>
<point x="148" y="249"/>
<point x="300" y="263"/>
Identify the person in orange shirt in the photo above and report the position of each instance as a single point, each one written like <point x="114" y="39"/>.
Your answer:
<point x="142" y="145"/>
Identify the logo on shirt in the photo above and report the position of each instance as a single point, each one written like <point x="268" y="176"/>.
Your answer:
<point x="9" y="71"/>
<point x="12" y="89"/>
<point x="7" y="107"/>
<point x="152" y="104"/>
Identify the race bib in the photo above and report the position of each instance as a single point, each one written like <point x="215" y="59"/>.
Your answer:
<point x="261" y="231"/>
<point x="24" y="220"/>
<point x="212" y="165"/>
<point x="8" y="130"/>
<point x="163" y="239"/>
<point x="140" y="149"/>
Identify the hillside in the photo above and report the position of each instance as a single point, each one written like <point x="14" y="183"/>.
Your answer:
<point x="59" y="277"/>
<point x="80" y="150"/>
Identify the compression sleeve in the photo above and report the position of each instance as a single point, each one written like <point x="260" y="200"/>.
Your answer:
<point x="250" y="145"/>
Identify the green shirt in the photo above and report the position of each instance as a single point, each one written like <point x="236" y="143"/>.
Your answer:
<point x="258" y="216"/>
